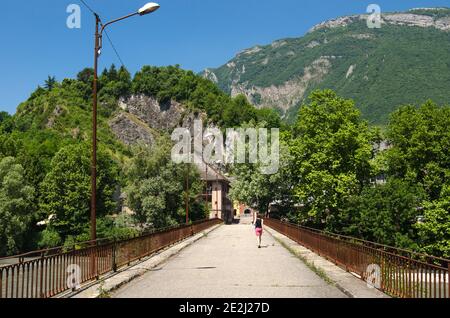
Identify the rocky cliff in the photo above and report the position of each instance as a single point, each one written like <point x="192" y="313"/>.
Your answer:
<point x="143" y="118"/>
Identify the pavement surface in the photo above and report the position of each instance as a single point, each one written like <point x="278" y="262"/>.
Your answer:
<point x="111" y="282"/>
<point x="227" y="264"/>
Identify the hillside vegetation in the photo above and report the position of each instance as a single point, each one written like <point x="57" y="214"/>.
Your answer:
<point x="45" y="157"/>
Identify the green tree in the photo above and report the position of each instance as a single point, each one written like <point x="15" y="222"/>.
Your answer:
<point x="434" y="231"/>
<point x="50" y="83"/>
<point x="9" y="145"/>
<point x="420" y="141"/>
<point x="237" y="112"/>
<point x="258" y="190"/>
<point x="156" y="189"/>
<point x="49" y="238"/>
<point x="332" y="150"/>
<point x="385" y="214"/>
<point x="16" y="206"/>
<point x="65" y="191"/>
<point x="158" y="200"/>
<point x="114" y="84"/>
<point x="6" y="122"/>
<point x="270" y="117"/>
<point x="86" y="76"/>
<point x="36" y="151"/>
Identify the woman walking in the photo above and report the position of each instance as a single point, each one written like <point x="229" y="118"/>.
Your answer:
<point x="258" y="223"/>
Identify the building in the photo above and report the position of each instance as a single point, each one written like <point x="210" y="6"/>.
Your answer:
<point x="217" y="187"/>
<point x="380" y="147"/>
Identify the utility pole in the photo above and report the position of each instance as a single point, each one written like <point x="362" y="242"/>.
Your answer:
<point x="187" y="192"/>
<point x="146" y="9"/>
<point x="94" y="135"/>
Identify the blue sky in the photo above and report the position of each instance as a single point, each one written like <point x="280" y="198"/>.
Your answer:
<point x="193" y="33"/>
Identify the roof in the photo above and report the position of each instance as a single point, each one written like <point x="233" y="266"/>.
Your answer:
<point x="207" y="171"/>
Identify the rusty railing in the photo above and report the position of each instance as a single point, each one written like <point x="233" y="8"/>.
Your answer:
<point x="46" y="273"/>
<point x="397" y="272"/>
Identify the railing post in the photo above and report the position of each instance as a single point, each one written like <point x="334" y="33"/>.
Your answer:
<point x="448" y="280"/>
<point x="114" y="262"/>
<point x="41" y="278"/>
<point x="97" y="275"/>
<point x="336" y="257"/>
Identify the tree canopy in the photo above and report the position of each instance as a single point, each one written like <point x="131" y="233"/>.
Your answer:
<point x="16" y="206"/>
<point x="65" y="190"/>
<point x="157" y="191"/>
<point x="332" y="153"/>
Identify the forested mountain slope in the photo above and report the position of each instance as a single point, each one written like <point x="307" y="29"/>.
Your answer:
<point x="407" y="60"/>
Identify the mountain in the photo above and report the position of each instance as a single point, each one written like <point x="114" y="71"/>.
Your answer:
<point x="405" y="61"/>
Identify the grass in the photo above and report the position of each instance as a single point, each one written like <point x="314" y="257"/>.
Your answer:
<point x="102" y="292"/>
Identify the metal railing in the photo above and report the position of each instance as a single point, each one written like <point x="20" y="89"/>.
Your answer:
<point x="397" y="272"/>
<point x="46" y="273"/>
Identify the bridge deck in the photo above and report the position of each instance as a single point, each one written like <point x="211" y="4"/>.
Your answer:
<point x="228" y="264"/>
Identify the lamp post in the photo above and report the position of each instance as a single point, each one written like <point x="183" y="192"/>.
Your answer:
<point x="187" y="193"/>
<point x="99" y="28"/>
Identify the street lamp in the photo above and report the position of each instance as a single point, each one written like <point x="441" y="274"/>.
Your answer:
<point x="146" y="9"/>
<point x="149" y="8"/>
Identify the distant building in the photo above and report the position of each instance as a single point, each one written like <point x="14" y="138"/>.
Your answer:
<point x="217" y="188"/>
<point x="379" y="147"/>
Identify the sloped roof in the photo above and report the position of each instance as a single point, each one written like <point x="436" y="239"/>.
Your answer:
<point x="207" y="171"/>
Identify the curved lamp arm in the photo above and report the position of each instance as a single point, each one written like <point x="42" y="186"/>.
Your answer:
<point x="117" y="20"/>
<point x="146" y="9"/>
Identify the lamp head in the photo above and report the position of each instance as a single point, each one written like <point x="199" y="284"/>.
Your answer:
<point x="148" y="8"/>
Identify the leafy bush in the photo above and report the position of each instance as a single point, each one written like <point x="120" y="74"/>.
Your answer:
<point x="49" y="238"/>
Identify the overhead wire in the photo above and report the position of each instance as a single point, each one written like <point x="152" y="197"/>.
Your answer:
<point x="106" y="33"/>
<point x="114" y="48"/>
<point x="88" y="7"/>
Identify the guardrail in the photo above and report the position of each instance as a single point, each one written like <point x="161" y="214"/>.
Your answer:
<point x="398" y="273"/>
<point x="46" y="273"/>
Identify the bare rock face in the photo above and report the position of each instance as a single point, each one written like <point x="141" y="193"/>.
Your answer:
<point x="362" y="36"/>
<point x="289" y="94"/>
<point x="58" y="111"/>
<point x="129" y="130"/>
<point x="443" y="24"/>
<point x="312" y="44"/>
<point x="406" y="19"/>
<point x="423" y="21"/>
<point x="250" y="51"/>
<point x="190" y="118"/>
<point x="409" y="19"/>
<point x="335" y="23"/>
<point x="143" y="118"/>
<point x="156" y="115"/>
<point x="211" y="76"/>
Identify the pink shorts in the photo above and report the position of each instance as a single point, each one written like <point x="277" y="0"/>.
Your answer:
<point x="258" y="231"/>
